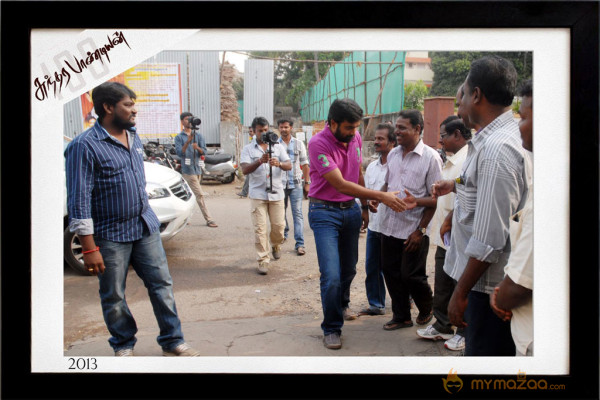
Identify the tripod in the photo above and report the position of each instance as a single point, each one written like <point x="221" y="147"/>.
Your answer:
<point x="270" y="185"/>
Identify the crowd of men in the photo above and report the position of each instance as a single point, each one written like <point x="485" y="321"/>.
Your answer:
<point x="474" y="205"/>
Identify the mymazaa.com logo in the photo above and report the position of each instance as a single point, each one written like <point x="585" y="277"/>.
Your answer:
<point x="453" y="384"/>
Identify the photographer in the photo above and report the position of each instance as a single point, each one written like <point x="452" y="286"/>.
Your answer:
<point x="190" y="148"/>
<point x="262" y="162"/>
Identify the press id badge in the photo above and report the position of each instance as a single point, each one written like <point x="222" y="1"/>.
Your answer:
<point x="187" y="161"/>
<point x="201" y="163"/>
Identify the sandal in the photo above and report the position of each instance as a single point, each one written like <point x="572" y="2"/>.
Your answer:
<point x="424" y="319"/>
<point x="393" y="325"/>
<point x="211" y="224"/>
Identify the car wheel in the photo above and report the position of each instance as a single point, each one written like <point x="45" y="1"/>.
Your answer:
<point x="229" y="179"/>
<point x="73" y="252"/>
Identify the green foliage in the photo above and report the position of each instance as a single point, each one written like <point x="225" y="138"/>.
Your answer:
<point x="238" y="86"/>
<point x="414" y="95"/>
<point x="450" y="68"/>
<point x="293" y="78"/>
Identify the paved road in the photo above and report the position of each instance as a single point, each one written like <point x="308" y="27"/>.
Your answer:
<point x="227" y="309"/>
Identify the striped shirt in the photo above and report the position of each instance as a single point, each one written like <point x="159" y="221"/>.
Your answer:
<point x="415" y="172"/>
<point x="493" y="188"/>
<point x="106" y="187"/>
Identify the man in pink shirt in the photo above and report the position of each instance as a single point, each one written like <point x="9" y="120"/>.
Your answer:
<point x="335" y="156"/>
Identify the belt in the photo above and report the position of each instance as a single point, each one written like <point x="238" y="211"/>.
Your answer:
<point x="337" y="204"/>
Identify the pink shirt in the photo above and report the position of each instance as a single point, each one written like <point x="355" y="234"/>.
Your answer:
<point x="326" y="153"/>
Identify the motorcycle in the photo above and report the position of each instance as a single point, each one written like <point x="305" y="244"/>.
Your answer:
<point x="218" y="166"/>
<point x="156" y="153"/>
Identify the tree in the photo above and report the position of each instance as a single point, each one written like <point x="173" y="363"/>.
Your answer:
<point x="296" y="72"/>
<point x="450" y="68"/>
<point x="414" y="95"/>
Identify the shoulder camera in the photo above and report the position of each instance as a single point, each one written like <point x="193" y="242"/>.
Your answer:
<point x="194" y="121"/>
<point x="270" y="137"/>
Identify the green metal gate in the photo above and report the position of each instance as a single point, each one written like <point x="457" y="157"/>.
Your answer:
<point x="374" y="79"/>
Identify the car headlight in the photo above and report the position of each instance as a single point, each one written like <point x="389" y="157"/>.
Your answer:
<point x="156" y="191"/>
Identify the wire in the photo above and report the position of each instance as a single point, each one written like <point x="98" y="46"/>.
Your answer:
<point x="359" y="63"/>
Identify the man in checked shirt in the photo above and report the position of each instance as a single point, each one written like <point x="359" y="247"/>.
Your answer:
<point x="109" y="210"/>
<point x="413" y="167"/>
<point x="491" y="188"/>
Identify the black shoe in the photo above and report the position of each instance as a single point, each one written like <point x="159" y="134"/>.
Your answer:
<point x="333" y="341"/>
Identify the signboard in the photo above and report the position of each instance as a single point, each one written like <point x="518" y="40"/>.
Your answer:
<point x="158" y="90"/>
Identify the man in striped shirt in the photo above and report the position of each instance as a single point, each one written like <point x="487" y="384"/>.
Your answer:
<point x="492" y="187"/>
<point x="109" y="210"/>
<point x="413" y="167"/>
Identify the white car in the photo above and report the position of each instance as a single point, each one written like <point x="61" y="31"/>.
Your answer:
<point x="169" y="196"/>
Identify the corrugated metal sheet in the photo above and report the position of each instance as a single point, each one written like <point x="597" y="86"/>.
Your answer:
<point x="72" y="118"/>
<point x="258" y="90"/>
<point x="205" y="93"/>
<point x="200" y="87"/>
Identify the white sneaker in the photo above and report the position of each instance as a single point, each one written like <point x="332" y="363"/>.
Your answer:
<point x="431" y="333"/>
<point x="455" y="343"/>
<point x="183" y="350"/>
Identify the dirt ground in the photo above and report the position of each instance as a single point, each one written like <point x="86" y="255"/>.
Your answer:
<point x="214" y="274"/>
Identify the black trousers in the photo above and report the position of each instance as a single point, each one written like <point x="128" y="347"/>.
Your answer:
<point x="443" y="288"/>
<point x="486" y="334"/>
<point x="404" y="273"/>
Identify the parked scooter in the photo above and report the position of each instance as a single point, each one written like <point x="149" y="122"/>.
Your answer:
<point x="218" y="166"/>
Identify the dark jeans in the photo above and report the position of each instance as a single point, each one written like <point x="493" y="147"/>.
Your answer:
<point x="442" y="292"/>
<point x="246" y="186"/>
<point x="149" y="261"/>
<point x="486" y="334"/>
<point x="374" y="281"/>
<point x="336" y="234"/>
<point x="404" y="274"/>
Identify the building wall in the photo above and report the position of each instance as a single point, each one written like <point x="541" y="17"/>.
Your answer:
<point x="418" y="68"/>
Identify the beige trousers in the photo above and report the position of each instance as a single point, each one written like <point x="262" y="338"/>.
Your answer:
<point x="194" y="182"/>
<point x="274" y="212"/>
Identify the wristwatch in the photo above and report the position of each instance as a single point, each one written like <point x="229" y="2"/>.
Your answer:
<point x="422" y="230"/>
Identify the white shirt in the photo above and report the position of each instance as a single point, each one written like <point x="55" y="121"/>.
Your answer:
<point x="259" y="179"/>
<point x="374" y="179"/>
<point x="445" y="204"/>
<point x="520" y="266"/>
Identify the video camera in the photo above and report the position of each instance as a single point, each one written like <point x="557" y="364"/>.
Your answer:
<point x="194" y="121"/>
<point x="270" y="138"/>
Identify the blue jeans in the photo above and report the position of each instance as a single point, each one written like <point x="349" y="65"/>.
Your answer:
<point x="336" y="234"/>
<point x="149" y="261"/>
<point x="374" y="282"/>
<point x="295" y="197"/>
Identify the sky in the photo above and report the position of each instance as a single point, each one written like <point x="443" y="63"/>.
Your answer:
<point x="234" y="58"/>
